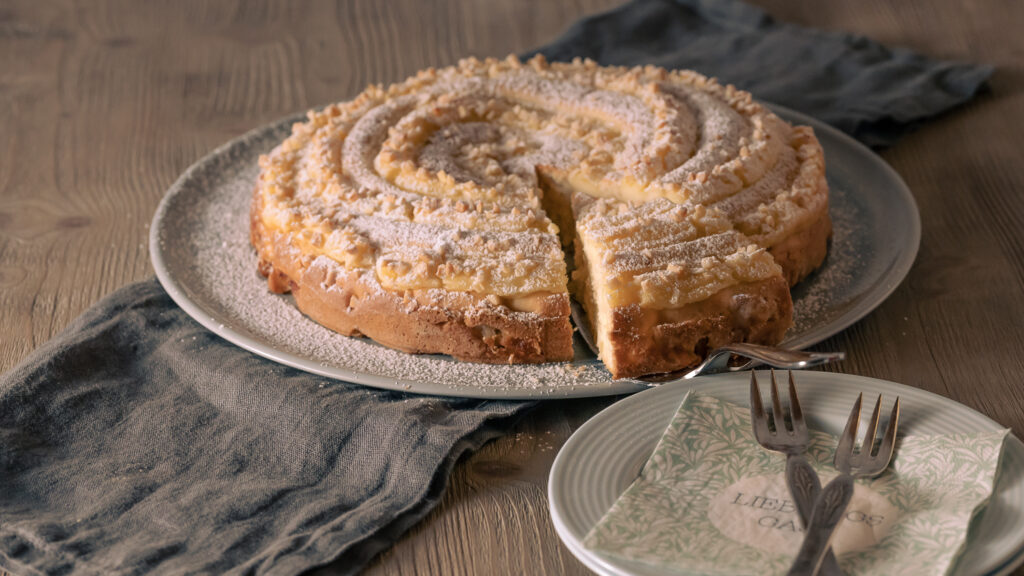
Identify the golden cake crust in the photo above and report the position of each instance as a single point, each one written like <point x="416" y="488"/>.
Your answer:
<point x="644" y="342"/>
<point x="802" y="252"/>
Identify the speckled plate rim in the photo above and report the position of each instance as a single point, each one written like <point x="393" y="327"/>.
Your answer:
<point x="602" y="458"/>
<point x="902" y="209"/>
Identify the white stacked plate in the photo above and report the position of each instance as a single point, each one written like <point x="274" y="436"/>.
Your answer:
<point x="606" y="454"/>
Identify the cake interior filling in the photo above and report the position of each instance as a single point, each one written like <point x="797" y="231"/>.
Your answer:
<point x="556" y="200"/>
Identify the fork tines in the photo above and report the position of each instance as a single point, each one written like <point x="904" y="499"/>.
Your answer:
<point x="877" y="456"/>
<point x="796" y="415"/>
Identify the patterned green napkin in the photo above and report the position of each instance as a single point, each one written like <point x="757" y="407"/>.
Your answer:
<point x="711" y="501"/>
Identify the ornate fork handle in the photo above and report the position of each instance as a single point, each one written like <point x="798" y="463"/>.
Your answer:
<point x="803" y="484"/>
<point x="828" y="511"/>
<point x="804" y="487"/>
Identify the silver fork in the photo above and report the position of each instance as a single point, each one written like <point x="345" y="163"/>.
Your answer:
<point x="718" y="360"/>
<point x="801" y="478"/>
<point x="831" y="504"/>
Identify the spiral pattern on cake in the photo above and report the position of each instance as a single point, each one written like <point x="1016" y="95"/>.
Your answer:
<point x="432" y="215"/>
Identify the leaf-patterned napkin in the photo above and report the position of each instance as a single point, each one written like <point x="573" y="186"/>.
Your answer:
<point x="711" y="501"/>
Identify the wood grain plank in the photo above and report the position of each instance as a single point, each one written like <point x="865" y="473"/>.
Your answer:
<point x="104" y="103"/>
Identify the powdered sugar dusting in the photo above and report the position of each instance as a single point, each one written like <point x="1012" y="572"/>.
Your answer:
<point x="205" y="243"/>
<point x="821" y="296"/>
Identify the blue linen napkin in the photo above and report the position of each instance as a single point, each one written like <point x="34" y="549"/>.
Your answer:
<point x="138" y="442"/>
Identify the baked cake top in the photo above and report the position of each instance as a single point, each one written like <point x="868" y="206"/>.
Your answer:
<point x="435" y="182"/>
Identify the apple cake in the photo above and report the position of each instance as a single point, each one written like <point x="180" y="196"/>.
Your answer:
<point x="446" y="214"/>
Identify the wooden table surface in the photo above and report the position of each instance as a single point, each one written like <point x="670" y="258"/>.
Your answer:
<point x="103" y="104"/>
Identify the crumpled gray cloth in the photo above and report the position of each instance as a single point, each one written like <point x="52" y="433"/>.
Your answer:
<point x="874" y="93"/>
<point x="138" y="442"/>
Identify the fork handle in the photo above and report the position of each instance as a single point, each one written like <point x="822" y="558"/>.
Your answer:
<point x="829" y="508"/>
<point x="804" y="487"/>
<point x="803" y="484"/>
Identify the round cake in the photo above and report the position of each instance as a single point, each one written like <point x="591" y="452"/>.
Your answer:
<point x="447" y="213"/>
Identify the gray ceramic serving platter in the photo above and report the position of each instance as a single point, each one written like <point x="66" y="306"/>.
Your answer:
<point x="199" y="244"/>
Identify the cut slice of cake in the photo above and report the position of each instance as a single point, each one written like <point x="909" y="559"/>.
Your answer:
<point x="663" y="285"/>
